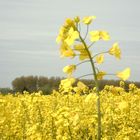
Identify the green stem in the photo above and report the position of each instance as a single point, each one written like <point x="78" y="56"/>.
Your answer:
<point x="97" y="87"/>
<point x="91" y="45"/>
<point x="82" y="62"/>
<point x="86" y="33"/>
<point x="99" y="54"/>
<point x="84" y="75"/>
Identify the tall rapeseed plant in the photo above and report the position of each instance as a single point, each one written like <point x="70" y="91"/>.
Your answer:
<point x="73" y="44"/>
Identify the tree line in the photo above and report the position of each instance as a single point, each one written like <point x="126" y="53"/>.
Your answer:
<point x="35" y="83"/>
<point x="45" y="84"/>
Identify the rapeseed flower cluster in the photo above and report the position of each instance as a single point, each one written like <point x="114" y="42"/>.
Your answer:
<point x="73" y="44"/>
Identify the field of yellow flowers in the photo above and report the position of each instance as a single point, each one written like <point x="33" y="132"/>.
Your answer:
<point x="71" y="116"/>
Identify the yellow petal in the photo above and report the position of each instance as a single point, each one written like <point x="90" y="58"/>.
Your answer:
<point x="81" y="85"/>
<point x="83" y="55"/>
<point x="100" y="59"/>
<point x="66" y="83"/>
<point x="66" y="51"/>
<point x="69" y="23"/>
<point x="124" y="75"/>
<point x="100" y="75"/>
<point x="72" y="36"/>
<point x="79" y="47"/>
<point x="69" y="69"/>
<point x="104" y="35"/>
<point x="77" y="19"/>
<point x="62" y="35"/>
<point x="88" y="19"/>
<point x="94" y="36"/>
<point x="115" y="50"/>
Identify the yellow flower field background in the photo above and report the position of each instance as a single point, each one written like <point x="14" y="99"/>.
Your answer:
<point x="66" y="117"/>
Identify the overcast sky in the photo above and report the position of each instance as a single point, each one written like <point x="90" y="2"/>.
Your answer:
<point x="28" y="29"/>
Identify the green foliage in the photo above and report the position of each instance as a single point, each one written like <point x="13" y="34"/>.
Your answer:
<point x="46" y="89"/>
<point x="5" y="90"/>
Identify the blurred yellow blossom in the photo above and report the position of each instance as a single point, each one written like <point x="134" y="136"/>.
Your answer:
<point x="100" y="75"/>
<point x="83" y="52"/>
<point x="69" y="69"/>
<point x="72" y="35"/>
<point x="83" y="55"/>
<point x="81" y="88"/>
<point x="88" y="19"/>
<point x="104" y="35"/>
<point x="77" y="19"/>
<point x="62" y="35"/>
<point x="94" y="36"/>
<point x="69" y="23"/>
<point x="67" y="83"/>
<point x="66" y="51"/>
<point x="124" y="75"/>
<point x="100" y="59"/>
<point x="79" y="47"/>
<point x="115" y="50"/>
<point x="123" y="105"/>
<point x="97" y="35"/>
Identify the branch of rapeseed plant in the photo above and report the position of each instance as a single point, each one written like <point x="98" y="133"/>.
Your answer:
<point x="99" y="54"/>
<point x="86" y="33"/>
<point x="82" y="62"/>
<point x="84" y="75"/>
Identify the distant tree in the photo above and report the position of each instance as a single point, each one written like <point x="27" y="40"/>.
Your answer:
<point x="54" y="81"/>
<point x="31" y="83"/>
<point x="46" y="89"/>
<point x="28" y="83"/>
<point x="42" y="81"/>
<point x="19" y="84"/>
<point x="5" y="90"/>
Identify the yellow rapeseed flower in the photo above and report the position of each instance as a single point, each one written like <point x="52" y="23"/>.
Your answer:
<point x="97" y="35"/>
<point x="104" y="35"/>
<point x="67" y="83"/>
<point x="72" y="35"/>
<point x="123" y="105"/>
<point x="79" y="47"/>
<point x="94" y="36"/>
<point x="90" y="98"/>
<point x="62" y="35"/>
<point x="124" y="75"/>
<point x="100" y="75"/>
<point x="69" y="69"/>
<point x="115" y="50"/>
<point x="88" y="19"/>
<point x="122" y="84"/>
<point x="83" y="53"/>
<point x="100" y="59"/>
<point x="66" y="51"/>
<point x="69" y="23"/>
<point x="81" y="85"/>
<point x="77" y="19"/>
